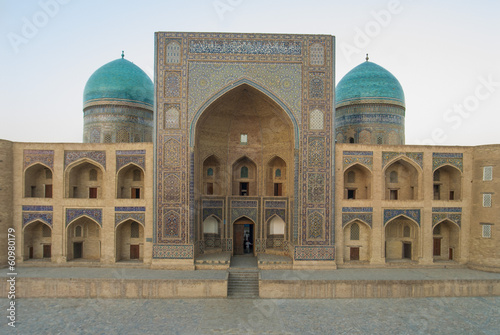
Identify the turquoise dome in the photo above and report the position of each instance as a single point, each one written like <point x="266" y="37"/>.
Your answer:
<point x="119" y="80"/>
<point x="369" y="81"/>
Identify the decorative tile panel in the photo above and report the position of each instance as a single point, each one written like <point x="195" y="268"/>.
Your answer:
<point x="349" y="217"/>
<point x="124" y="157"/>
<point x="417" y="157"/>
<point x="250" y="47"/>
<point x="139" y="217"/>
<point x="363" y="157"/>
<point x="315" y="223"/>
<point x="45" y="157"/>
<point x="269" y="212"/>
<point x="413" y="214"/>
<point x="237" y="213"/>
<point x="316" y="152"/>
<point x="275" y="203"/>
<point x="438" y="218"/>
<point x="96" y="156"/>
<point x="74" y="213"/>
<point x="454" y="159"/>
<point x="217" y="212"/>
<point x="173" y="84"/>
<point x="29" y="217"/>
<point x="314" y="253"/>
<point x="316" y="187"/>
<point x="316" y="85"/>
<point x="173" y="251"/>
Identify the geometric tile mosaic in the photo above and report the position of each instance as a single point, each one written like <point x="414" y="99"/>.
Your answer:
<point x="314" y="253"/>
<point x="437" y="218"/>
<point x="349" y="217"/>
<point x="365" y="158"/>
<point x="413" y="214"/>
<point x="453" y="159"/>
<point x="417" y="157"/>
<point x="29" y="217"/>
<point x="97" y="156"/>
<point x="120" y="217"/>
<point x="124" y="157"/>
<point x="38" y="156"/>
<point x="173" y="251"/>
<point x="74" y="213"/>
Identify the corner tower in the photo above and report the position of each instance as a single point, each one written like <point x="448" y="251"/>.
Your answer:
<point x="370" y="107"/>
<point x="118" y="104"/>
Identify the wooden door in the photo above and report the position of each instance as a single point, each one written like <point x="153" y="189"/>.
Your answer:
<point x="238" y="241"/>
<point x="407" y="250"/>
<point x="451" y="254"/>
<point x="135" y="193"/>
<point x="437" y="247"/>
<point x="354" y="254"/>
<point x="134" y="251"/>
<point x="278" y="189"/>
<point x="47" y="250"/>
<point x="93" y="192"/>
<point x="30" y="252"/>
<point x="78" y="250"/>
<point x="48" y="191"/>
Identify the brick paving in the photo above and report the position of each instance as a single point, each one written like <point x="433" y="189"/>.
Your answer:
<point x="256" y="316"/>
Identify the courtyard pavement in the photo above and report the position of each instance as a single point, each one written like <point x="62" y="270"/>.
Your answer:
<point x="258" y="316"/>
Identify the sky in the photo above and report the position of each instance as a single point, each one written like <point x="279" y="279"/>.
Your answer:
<point x="444" y="53"/>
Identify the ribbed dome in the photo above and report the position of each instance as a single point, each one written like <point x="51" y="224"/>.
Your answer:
<point x="369" y="81"/>
<point x="119" y="80"/>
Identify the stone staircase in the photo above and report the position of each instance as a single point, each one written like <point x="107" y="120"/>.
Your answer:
<point x="243" y="284"/>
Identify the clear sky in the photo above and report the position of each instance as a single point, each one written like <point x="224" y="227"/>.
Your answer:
<point x="445" y="54"/>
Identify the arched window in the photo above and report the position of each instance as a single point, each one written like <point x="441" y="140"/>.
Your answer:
<point x="406" y="231"/>
<point x="78" y="231"/>
<point x="134" y="230"/>
<point x="93" y="175"/>
<point x="355" y="232"/>
<point x="351" y="177"/>
<point x="393" y="177"/>
<point x="244" y="172"/>
<point x="210" y="172"/>
<point x="379" y="140"/>
<point x="277" y="174"/>
<point x="437" y="175"/>
<point x="137" y="175"/>
<point x="317" y="56"/>
<point x="351" y="139"/>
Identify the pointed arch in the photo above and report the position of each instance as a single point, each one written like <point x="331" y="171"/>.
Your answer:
<point x="356" y="219"/>
<point x="242" y="217"/>
<point x="83" y="160"/>
<point x="447" y="219"/>
<point x="128" y="219"/>
<point x="402" y="216"/>
<point x="234" y="85"/>
<point x="41" y="220"/>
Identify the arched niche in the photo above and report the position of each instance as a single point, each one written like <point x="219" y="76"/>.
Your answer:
<point x="129" y="242"/>
<point x="212" y="176"/>
<point x="244" y="174"/>
<point x="357" y="241"/>
<point x="38" y="182"/>
<point x="37" y="237"/>
<point x="84" y="181"/>
<point x="83" y="240"/>
<point x="401" y="239"/>
<point x="357" y="182"/>
<point x="243" y="121"/>
<point x="275" y="233"/>
<point x="212" y="233"/>
<point x="401" y="180"/>
<point x="276" y="181"/>
<point x="447" y="183"/>
<point x="130" y="182"/>
<point x="446" y="241"/>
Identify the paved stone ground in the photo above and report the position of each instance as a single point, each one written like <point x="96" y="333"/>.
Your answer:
<point x="256" y="316"/>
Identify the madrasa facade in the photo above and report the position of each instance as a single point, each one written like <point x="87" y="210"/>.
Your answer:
<point x="244" y="145"/>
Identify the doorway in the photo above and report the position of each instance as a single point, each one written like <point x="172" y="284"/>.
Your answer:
<point x="78" y="250"/>
<point x="134" y="251"/>
<point x="47" y="251"/>
<point x="437" y="247"/>
<point x="243" y="237"/>
<point x="407" y="250"/>
<point x="354" y="254"/>
<point x="244" y="189"/>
